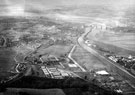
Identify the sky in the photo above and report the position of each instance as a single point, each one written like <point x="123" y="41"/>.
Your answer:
<point x="18" y="7"/>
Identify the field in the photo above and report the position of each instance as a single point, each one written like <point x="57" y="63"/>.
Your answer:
<point x="121" y="43"/>
<point x="123" y="40"/>
<point x="56" y="50"/>
<point x="6" y="59"/>
<point x="87" y="60"/>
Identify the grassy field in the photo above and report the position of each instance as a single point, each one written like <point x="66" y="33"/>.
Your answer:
<point x="6" y="59"/>
<point x="56" y="50"/>
<point x="87" y="60"/>
<point x="114" y="49"/>
<point x="120" y="43"/>
<point x="123" y="40"/>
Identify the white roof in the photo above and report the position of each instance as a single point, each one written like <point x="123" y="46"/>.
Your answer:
<point x="103" y="72"/>
<point x="119" y="91"/>
<point x="64" y="74"/>
<point x="72" y="65"/>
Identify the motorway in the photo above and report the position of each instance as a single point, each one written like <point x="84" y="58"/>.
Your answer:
<point x="109" y="63"/>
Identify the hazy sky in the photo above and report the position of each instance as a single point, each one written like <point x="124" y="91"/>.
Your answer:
<point x="20" y="5"/>
<point x="69" y="2"/>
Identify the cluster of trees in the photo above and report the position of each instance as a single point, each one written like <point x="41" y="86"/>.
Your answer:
<point x="2" y="41"/>
<point x="7" y="42"/>
<point x="69" y="85"/>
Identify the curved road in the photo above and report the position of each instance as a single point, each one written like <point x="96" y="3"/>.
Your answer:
<point x="126" y="74"/>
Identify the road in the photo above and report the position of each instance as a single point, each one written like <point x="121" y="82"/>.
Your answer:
<point x="81" y="42"/>
<point x="69" y="56"/>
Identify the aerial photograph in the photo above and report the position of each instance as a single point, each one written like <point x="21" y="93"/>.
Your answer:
<point x="67" y="47"/>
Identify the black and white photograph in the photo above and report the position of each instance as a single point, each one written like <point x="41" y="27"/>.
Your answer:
<point x="67" y="47"/>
